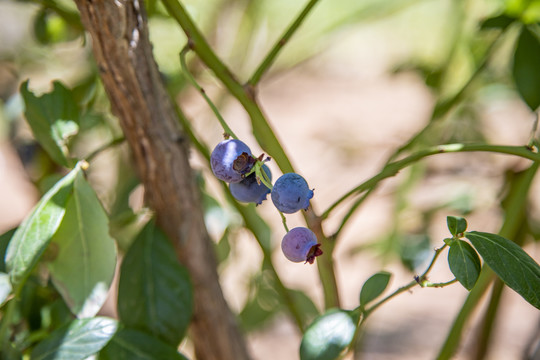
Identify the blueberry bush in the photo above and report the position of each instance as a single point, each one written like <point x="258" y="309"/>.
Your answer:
<point x="137" y="65"/>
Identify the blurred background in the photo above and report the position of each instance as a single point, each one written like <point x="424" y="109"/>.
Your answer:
<point x="356" y="82"/>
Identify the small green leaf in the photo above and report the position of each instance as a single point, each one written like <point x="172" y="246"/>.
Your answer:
<point x="5" y="287"/>
<point x="40" y="27"/>
<point x="223" y="247"/>
<point x="329" y="335"/>
<point x="464" y="263"/>
<point x="84" y="254"/>
<point x="129" y="344"/>
<point x="526" y="70"/>
<point x="373" y="287"/>
<point x="456" y="225"/>
<point x="414" y="249"/>
<point x="53" y="118"/>
<point x="155" y="291"/>
<point x="34" y="234"/>
<point x="76" y="340"/>
<point x="511" y="263"/>
<point x="497" y="22"/>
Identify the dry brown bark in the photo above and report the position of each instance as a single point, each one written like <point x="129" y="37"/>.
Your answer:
<point x="138" y="98"/>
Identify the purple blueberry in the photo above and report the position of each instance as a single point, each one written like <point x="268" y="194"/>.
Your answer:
<point x="291" y="193"/>
<point x="300" y="244"/>
<point x="249" y="190"/>
<point x="230" y="160"/>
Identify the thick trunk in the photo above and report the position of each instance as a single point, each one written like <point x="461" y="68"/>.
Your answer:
<point x="138" y="98"/>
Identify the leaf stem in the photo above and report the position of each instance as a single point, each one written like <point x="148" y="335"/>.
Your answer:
<point x="418" y="281"/>
<point x="112" y="143"/>
<point x="284" y="221"/>
<point x="196" y="85"/>
<point x="278" y="46"/>
<point x="391" y="169"/>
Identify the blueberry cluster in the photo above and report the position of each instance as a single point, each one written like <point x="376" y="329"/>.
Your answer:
<point x="250" y="182"/>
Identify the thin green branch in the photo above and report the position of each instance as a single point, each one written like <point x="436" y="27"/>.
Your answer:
<point x="245" y="95"/>
<point x="393" y="168"/>
<point x="438" y="285"/>
<point x="418" y="281"/>
<point x="351" y="212"/>
<point x="196" y="85"/>
<point x="443" y="106"/>
<point x="278" y="46"/>
<point x="284" y="221"/>
<point x="112" y="143"/>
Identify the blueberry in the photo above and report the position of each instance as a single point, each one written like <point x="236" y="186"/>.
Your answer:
<point x="300" y="244"/>
<point x="248" y="190"/>
<point x="230" y="159"/>
<point x="291" y="193"/>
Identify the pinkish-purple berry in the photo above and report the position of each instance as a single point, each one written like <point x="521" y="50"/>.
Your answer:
<point x="300" y="244"/>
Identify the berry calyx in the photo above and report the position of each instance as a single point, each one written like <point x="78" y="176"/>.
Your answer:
<point x="291" y="193"/>
<point x="251" y="189"/>
<point x="300" y="244"/>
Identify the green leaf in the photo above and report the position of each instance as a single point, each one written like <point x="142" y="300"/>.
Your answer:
<point x="414" y="249"/>
<point x="53" y="118"/>
<point x="4" y="242"/>
<point x="85" y="254"/>
<point x="329" y="335"/>
<point x="308" y="309"/>
<point x="5" y="287"/>
<point x="526" y="70"/>
<point x="155" y="291"/>
<point x="511" y="263"/>
<point x="456" y="225"/>
<point x="223" y="247"/>
<point x="129" y="344"/>
<point x="464" y="263"/>
<point x="497" y="22"/>
<point x="34" y="234"/>
<point x="76" y="340"/>
<point x="373" y="287"/>
<point x="40" y="27"/>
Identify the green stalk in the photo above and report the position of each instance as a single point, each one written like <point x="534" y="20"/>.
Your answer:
<point x="485" y="332"/>
<point x="473" y="299"/>
<point x="393" y="168"/>
<point x="278" y="46"/>
<point x="245" y="95"/>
